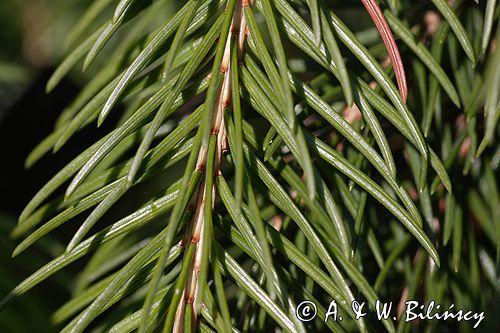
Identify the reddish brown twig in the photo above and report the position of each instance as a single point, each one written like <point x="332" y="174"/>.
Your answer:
<point x="191" y="294"/>
<point x="388" y="39"/>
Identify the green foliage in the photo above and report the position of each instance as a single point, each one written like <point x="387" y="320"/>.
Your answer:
<point x="263" y="155"/>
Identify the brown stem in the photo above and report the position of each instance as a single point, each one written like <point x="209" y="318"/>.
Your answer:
<point x="388" y="39"/>
<point x="191" y="293"/>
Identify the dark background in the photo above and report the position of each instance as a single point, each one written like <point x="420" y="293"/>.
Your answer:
<point x="31" y="39"/>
